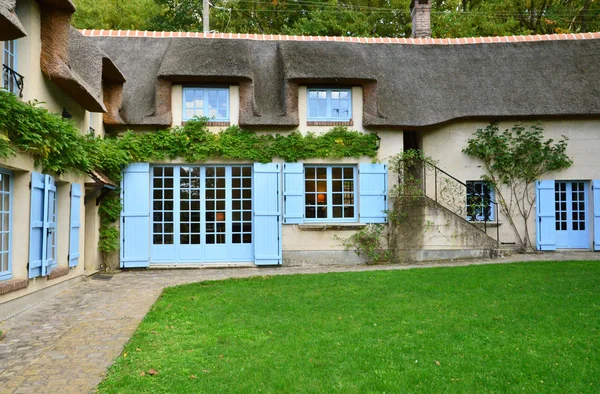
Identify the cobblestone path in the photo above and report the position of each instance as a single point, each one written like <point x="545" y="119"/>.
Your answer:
<point x="66" y="344"/>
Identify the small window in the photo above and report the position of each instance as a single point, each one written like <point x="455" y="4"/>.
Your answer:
<point x="480" y="197"/>
<point x="330" y="193"/>
<point x="212" y="103"/>
<point x="329" y="104"/>
<point x="9" y="67"/>
<point x="5" y="224"/>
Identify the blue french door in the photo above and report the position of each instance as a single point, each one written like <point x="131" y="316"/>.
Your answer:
<point x="571" y="206"/>
<point x="201" y="214"/>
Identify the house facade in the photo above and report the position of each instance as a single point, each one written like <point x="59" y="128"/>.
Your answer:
<point x="49" y="236"/>
<point x="414" y="93"/>
<point x="420" y="93"/>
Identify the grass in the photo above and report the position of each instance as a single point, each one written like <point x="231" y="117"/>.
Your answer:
<point x="526" y="327"/>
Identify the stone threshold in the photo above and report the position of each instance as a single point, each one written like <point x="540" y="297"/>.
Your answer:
<point x="58" y="272"/>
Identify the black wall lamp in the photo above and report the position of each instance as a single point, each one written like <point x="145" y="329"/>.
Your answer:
<point x="66" y="114"/>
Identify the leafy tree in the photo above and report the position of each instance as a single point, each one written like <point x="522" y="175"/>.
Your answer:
<point x="469" y="18"/>
<point x="514" y="160"/>
<point x="311" y="17"/>
<point x="114" y="14"/>
<point x="378" y="18"/>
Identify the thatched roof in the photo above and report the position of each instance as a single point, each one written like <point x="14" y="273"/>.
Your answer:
<point x="89" y="66"/>
<point x="73" y="62"/>
<point x="65" y="5"/>
<point x="406" y="85"/>
<point x="11" y="25"/>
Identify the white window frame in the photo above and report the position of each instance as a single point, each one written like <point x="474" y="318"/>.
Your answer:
<point x="480" y="217"/>
<point x="6" y="274"/>
<point x="329" y="194"/>
<point x="329" y="116"/>
<point x="205" y="107"/>
<point x="10" y="60"/>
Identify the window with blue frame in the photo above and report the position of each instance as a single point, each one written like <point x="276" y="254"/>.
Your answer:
<point x="480" y="197"/>
<point x="10" y="80"/>
<point x="329" y="105"/>
<point x="330" y="193"/>
<point x="5" y="224"/>
<point x="209" y="102"/>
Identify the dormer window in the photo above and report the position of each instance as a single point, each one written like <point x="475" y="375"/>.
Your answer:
<point x="210" y="102"/>
<point x="329" y="105"/>
<point x="11" y="80"/>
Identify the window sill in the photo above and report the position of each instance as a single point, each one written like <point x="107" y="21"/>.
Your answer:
<point x="329" y="123"/>
<point x="213" y="123"/>
<point x="13" y="285"/>
<point x="483" y="224"/>
<point x="331" y="226"/>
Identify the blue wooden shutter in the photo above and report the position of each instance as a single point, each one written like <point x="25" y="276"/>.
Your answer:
<point x="51" y="216"/>
<point x="373" y="193"/>
<point x="267" y="213"/>
<point x="75" y="224"/>
<point x="596" y="190"/>
<point x="546" y="220"/>
<point x="37" y="229"/>
<point x="293" y="193"/>
<point x="135" y="217"/>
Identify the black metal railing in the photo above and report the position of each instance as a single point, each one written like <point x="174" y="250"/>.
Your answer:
<point x="453" y="194"/>
<point x="12" y="81"/>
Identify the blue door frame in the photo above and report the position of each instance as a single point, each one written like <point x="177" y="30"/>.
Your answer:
<point x="201" y="214"/>
<point x="572" y="223"/>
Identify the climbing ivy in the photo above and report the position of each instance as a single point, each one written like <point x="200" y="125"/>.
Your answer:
<point x="58" y="146"/>
<point x="55" y="143"/>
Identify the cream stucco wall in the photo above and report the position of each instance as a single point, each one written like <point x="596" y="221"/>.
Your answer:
<point x="306" y="238"/>
<point x="37" y="87"/>
<point x="445" y="143"/>
<point x="22" y="166"/>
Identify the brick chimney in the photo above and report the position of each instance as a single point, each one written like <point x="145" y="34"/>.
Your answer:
<point x="420" y="13"/>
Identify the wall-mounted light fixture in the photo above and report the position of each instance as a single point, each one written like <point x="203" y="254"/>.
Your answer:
<point x="66" y="114"/>
<point x="378" y="143"/>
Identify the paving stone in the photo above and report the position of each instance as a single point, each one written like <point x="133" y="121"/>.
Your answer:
<point x="67" y="343"/>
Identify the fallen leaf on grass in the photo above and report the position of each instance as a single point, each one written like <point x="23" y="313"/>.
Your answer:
<point x="437" y="362"/>
<point x="206" y="370"/>
<point x="137" y="349"/>
<point x="142" y="373"/>
<point x="192" y="376"/>
<point x="152" y="372"/>
<point x="124" y="355"/>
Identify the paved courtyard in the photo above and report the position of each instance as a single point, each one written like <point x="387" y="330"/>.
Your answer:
<point x="66" y="344"/>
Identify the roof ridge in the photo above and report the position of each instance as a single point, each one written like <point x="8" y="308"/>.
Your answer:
<point x="361" y="40"/>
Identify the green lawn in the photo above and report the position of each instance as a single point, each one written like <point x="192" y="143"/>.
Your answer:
<point x="526" y="327"/>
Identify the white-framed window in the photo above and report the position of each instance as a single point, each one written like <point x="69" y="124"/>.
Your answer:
<point x="9" y="66"/>
<point x="329" y="104"/>
<point x="210" y="102"/>
<point x="330" y="193"/>
<point x="5" y="223"/>
<point x="480" y="197"/>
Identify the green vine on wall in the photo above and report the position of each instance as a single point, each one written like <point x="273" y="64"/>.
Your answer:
<point x="57" y="146"/>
